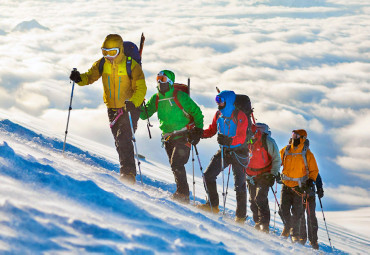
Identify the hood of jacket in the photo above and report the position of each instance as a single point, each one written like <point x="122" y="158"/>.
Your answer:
<point x="229" y="97"/>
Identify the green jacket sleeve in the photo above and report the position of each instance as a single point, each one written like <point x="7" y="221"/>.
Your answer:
<point x="191" y="108"/>
<point x="150" y="108"/>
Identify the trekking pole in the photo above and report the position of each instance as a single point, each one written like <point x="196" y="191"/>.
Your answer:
<point x="204" y="179"/>
<point x="227" y="186"/>
<point x="192" y="159"/>
<point x="148" y="125"/>
<point x="275" y="208"/>
<point x="134" y="140"/>
<point x="323" y="215"/>
<point x="282" y="218"/>
<point x="69" y="112"/>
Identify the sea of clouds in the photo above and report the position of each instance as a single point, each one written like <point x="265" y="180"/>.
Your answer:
<point x="304" y="64"/>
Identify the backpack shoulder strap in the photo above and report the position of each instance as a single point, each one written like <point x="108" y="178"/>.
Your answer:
<point x="101" y="65"/>
<point x="128" y="66"/>
<point x="287" y="148"/>
<point x="177" y="100"/>
<point x="156" y="101"/>
<point x="179" y="104"/>
<point x="264" y="143"/>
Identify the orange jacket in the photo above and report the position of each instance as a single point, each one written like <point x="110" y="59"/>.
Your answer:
<point x="294" y="166"/>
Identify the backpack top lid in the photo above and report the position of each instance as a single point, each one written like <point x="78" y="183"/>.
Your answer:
<point x="243" y="103"/>
<point x="131" y="50"/>
<point x="264" y="128"/>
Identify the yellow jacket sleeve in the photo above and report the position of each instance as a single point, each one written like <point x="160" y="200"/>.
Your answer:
<point x="91" y="75"/>
<point x="138" y="85"/>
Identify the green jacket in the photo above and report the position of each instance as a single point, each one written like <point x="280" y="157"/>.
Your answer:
<point x="171" y="117"/>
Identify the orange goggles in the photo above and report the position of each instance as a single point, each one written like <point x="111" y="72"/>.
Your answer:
<point x="112" y="52"/>
<point x="163" y="78"/>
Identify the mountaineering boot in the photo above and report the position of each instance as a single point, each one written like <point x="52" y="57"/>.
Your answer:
<point x="295" y="239"/>
<point x="207" y="207"/>
<point x="240" y="221"/>
<point x="257" y="226"/>
<point x="265" y="228"/>
<point x="286" y="232"/>
<point x="128" y="178"/>
<point x="314" y="245"/>
<point x="302" y="241"/>
<point x="212" y="199"/>
<point x="180" y="197"/>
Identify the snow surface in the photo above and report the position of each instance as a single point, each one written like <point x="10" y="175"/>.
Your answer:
<point x="50" y="203"/>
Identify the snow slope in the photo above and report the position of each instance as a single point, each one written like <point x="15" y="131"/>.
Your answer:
<point x="50" y="203"/>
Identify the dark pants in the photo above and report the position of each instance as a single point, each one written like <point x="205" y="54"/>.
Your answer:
<point x="123" y="139"/>
<point x="312" y="225"/>
<point x="259" y="202"/>
<point x="238" y="161"/>
<point x="291" y="209"/>
<point x="178" y="152"/>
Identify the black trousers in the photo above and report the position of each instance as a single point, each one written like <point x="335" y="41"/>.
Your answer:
<point x="258" y="197"/>
<point x="178" y="152"/>
<point x="238" y="161"/>
<point x="292" y="209"/>
<point x="312" y="225"/>
<point x="123" y="139"/>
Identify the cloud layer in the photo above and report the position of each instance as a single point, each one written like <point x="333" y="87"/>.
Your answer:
<point x="304" y="64"/>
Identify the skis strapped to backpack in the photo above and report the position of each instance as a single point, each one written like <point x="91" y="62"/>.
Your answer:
<point x="131" y="51"/>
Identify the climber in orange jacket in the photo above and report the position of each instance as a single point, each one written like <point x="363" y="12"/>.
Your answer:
<point x="298" y="175"/>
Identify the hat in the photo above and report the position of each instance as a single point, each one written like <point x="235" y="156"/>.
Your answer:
<point x="300" y="132"/>
<point x="113" y="41"/>
<point x="170" y="75"/>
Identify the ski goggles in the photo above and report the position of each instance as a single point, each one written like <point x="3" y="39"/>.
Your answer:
<point x="219" y="99"/>
<point x="112" y="52"/>
<point x="295" y="135"/>
<point x="163" y="78"/>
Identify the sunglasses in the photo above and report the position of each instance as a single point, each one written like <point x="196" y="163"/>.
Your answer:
<point x="112" y="52"/>
<point x="219" y="99"/>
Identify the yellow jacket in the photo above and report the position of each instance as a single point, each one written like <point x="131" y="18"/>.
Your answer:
<point x="117" y="85"/>
<point x="294" y="166"/>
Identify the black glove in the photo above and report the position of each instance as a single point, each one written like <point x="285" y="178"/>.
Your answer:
<point x="309" y="183"/>
<point x="75" y="76"/>
<point x="270" y="179"/>
<point x="224" y="140"/>
<point x="194" y="135"/>
<point x="130" y="106"/>
<point x="278" y="179"/>
<point x="320" y="192"/>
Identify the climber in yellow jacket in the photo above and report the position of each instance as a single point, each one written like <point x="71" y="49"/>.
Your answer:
<point x="123" y="93"/>
<point x="299" y="172"/>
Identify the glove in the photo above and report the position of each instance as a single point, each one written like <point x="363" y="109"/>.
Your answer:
<point x="309" y="183"/>
<point x="270" y="179"/>
<point x="278" y="179"/>
<point x="194" y="135"/>
<point x="224" y="140"/>
<point x="130" y="106"/>
<point x="75" y="76"/>
<point x="320" y="192"/>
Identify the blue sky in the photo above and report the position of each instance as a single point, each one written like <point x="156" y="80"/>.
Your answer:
<point x="304" y="64"/>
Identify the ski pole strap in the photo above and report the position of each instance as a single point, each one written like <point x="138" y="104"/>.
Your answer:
<point x="118" y="114"/>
